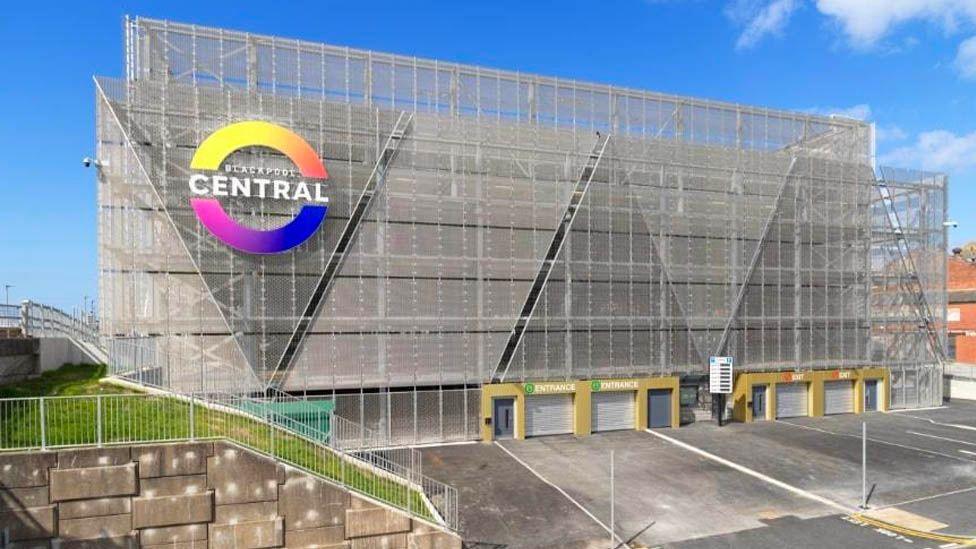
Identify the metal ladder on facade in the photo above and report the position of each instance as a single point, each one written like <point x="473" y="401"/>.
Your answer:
<point x="915" y="287"/>
<point x="324" y="285"/>
<point x="555" y="245"/>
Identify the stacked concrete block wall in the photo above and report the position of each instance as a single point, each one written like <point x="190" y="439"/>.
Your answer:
<point x="18" y="359"/>
<point x="190" y="495"/>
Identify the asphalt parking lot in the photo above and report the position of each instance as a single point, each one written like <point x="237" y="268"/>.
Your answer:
<point x="504" y="505"/>
<point x="790" y="483"/>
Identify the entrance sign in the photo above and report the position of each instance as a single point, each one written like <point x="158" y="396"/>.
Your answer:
<point x="720" y="374"/>
<point x="613" y="385"/>
<point x="549" y="388"/>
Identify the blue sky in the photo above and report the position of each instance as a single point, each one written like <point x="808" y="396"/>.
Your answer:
<point x="909" y="66"/>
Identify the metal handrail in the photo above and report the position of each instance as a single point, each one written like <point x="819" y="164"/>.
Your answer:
<point x="60" y="422"/>
<point x="40" y="320"/>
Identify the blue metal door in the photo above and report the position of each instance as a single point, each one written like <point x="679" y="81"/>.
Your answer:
<point x="504" y="418"/>
<point x="758" y="402"/>
<point x="659" y="408"/>
<point x="870" y="395"/>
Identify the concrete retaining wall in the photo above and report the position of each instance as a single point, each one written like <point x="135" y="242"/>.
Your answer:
<point x="18" y="359"/>
<point x="960" y="388"/>
<point x="188" y="495"/>
<point x="58" y="351"/>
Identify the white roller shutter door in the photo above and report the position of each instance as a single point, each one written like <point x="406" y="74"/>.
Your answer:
<point x="548" y="415"/>
<point x="791" y="400"/>
<point x="839" y="397"/>
<point x="613" y="411"/>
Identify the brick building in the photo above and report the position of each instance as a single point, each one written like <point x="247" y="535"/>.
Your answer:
<point x="961" y="319"/>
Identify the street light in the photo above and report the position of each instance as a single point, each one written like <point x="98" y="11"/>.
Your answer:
<point x="6" y="288"/>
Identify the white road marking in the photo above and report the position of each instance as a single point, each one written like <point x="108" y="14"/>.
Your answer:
<point x="967" y="443"/>
<point x="903" y="410"/>
<point x="926" y="498"/>
<point x="968" y="452"/>
<point x="879" y="441"/>
<point x="933" y="422"/>
<point x="753" y="473"/>
<point x="440" y="444"/>
<point x="563" y="492"/>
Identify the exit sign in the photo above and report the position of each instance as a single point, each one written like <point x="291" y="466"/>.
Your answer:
<point x="720" y="374"/>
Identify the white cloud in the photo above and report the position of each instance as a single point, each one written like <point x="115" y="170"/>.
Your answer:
<point x="760" y="20"/>
<point x="966" y="59"/>
<point x="867" y="21"/>
<point x="860" y="111"/>
<point x="889" y="132"/>
<point x="935" y="150"/>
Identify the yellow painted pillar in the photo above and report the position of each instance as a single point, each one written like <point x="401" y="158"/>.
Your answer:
<point x="816" y="396"/>
<point x="583" y="409"/>
<point x="641" y="407"/>
<point x="859" y="393"/>
<point x="741" y="395"/>
<point x="675" y="403"/>
<point x="885" y="392"/>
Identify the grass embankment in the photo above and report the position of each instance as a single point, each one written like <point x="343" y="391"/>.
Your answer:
<point x="137" y="418"/>
<point x="70" y="379"/>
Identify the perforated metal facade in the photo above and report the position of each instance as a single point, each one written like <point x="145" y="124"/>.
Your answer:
<point x="689" y="228"/>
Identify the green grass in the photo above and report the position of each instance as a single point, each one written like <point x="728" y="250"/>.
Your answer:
<point x="135" y="418"/>
<point x="70" y="379"/>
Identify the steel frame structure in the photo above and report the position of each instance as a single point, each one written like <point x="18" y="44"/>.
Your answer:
<point x="465" y="250"/>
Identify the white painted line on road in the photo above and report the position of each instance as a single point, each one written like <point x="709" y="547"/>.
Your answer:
<point x="440" y="444"/>
<point x="933" y="422"/>
<point x="753" y="473"/>
<point x="926" y="498"/>
<point x="903" y="410"/>
<point x="968" y="452"/>
<point x="879" y="441"/>
<point x="563" y="492"/>
<point x="967" y="443"/>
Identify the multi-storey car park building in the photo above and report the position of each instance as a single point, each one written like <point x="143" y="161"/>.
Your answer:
<point x="503" y="254"/>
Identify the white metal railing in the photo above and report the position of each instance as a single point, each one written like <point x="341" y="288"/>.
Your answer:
<point x="39" y="320"/>
<point x="140" y="361"/>
<point x="96" y="420"/>
<point x="10" y="316"/>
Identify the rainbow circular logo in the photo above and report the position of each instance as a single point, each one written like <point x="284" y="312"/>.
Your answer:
<point x="225" y="141"/>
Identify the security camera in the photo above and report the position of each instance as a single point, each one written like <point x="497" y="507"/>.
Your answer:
<point x="951" y="223"/>
<point x="89" y="162"/>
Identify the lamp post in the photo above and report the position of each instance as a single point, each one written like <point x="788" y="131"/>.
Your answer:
<point x="6" y="288"/>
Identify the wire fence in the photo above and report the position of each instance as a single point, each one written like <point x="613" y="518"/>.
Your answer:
<point x="95" y="420"/>
<point x="10" y="316"/>
<point x="39" y="320"/>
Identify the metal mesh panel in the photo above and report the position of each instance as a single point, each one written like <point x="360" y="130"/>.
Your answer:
<point x="417" y="416"/>
<point x="908" y="268"/>
<point x="707" y="228"/>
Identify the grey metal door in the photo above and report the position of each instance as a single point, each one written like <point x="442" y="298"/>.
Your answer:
<point x="612" y="411"/>
<point x="839" y="397"/>
<point x="758" y="402"/>
<point x="659" y="408"/>
<point x="548" y="415"/>
<point x="504" y="418"/>
<point x="791" y="400"/>
<point x="870" y="395"/>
